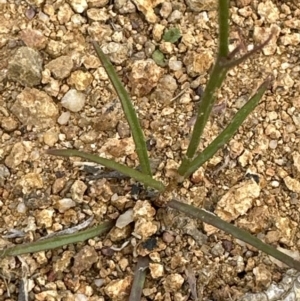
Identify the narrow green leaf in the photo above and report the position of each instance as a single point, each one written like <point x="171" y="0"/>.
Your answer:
<point x="227" y="133"/>
<point x="210" y="218"/>
<point x="172" y="35"/>
<point x="223" y="28"/>
<point x="139" y="278"/>
<point x="130" y="172"/>
<point x="57" y="241"/>
<point x="215" y="81"/>
<point x="129" y="111"/>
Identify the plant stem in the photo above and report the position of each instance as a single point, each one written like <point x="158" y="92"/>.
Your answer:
<point x="57" y="241"/>
<point x="111" y="164"/>
<point x="210" y="218"/>
<point x="214" y="83"/>
<point x="228" y="132"/>
<point x="139" y="278"/>
<point x="137" y="133"/>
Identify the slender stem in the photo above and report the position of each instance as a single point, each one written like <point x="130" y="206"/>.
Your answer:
<point x="223" y="28"/>
<point x="228" y="132"/>
<point x="210" y="218"/>
<point x="130" y="172"/>
<point x="57" y="241"/>
<point x="139" y="278"/>
<point x="214" y="83"/>
<point x="130" y="114"/>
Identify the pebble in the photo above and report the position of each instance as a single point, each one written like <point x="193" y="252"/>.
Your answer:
<point x="144" y="76"/>
<point x="79" y="6"/>
<point x="73" y="100"/>
<point x="26" y="67"/>
<point x="17" y="155"/>
<point x="64" y="118"/>
<point x="80" y="80"/>
<point x="34" y="39"/>
<point x="147" y="8"/>
<point x="156" y="270"/>
<point x="166" y="9"/>
<point x="63" y="205"/>
<point x="60" y="67"/>
<point x="117" y="52"/>
<point x="50" y="137"/>
<point x="201" y="5"/>
<point x="35" y="108"/>
<point x="77" y="190"/>
<point x="84" y="259"/>
<point x="118" y="289"/>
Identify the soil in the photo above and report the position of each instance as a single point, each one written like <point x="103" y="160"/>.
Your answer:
<point x="55" y="94"/>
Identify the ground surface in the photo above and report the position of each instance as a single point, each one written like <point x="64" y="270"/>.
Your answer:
<point x="55" y="94"/>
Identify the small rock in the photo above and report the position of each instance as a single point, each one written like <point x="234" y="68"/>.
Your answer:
<point x="4" y="172"/>
<point x="64" y="13"/>
<point x="147" y="8"/>
<point x="8" y="124"/>
<point x="97" y="3"/>
<point x="73" y="100"/>
<point x="77" y="191"/>
<point x="238" y="200"/>
<point x="80" y="80"/>
<point x="34" y="39"/>
<point x="26" y="67"/>
<point x="118" y="147"/>
<point x="117" y="52"/>
<point x="268" y="11"/>
<point x="290" y="39"/>
<point x="117" y="234"/>
<point x="64" y="204"/>
<point x="30" y="182"/>
<point x="63" y="261"/>
<point x="118" y="289"/>
<point x="44" y="217"/>
<point x="197" y="63"/>
<point x="35" y="108"/>
<point x="79" y="6"/>
<point x="173" y="282"/>
<point x="175" y="16"/>
<point x="17" y="155"/>
<point x="166" y="9"/>
<point x="156" y="270"/>
<point x="263" y="276"/>
<point x="201" y="5"/>
<point x="84" y="259"/>
<point x="124" y="219"/>
<point x="123" y="129"/>
<point x="145" y="228"/>
<point x="60" y="67"/>
<point x="50" y="137"/>
<point x="64" y="118"/>
<point x="144" y="76"/>
<point x="143" y="209"/>
<point x="165" y="89"/>
<point x="292" y="184"/>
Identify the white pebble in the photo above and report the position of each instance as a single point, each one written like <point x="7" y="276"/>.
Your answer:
<point x="21" y="208"/>
<point x="73" y="100"/>
<point x="64" y="118"/>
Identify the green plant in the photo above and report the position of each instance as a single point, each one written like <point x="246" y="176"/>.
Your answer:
<point x="190" y="163"/>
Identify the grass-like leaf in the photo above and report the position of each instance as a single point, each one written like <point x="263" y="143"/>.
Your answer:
<point x="209" y="218"/>
<point x="57" y="241"/>
<point x="111" y="164"/>
<point x="139" y="278"/>
<point x="129" y="111"/>
<point x="226" y="134"/>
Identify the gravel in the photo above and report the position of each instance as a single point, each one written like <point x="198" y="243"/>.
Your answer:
<point x="55" y="93"/>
